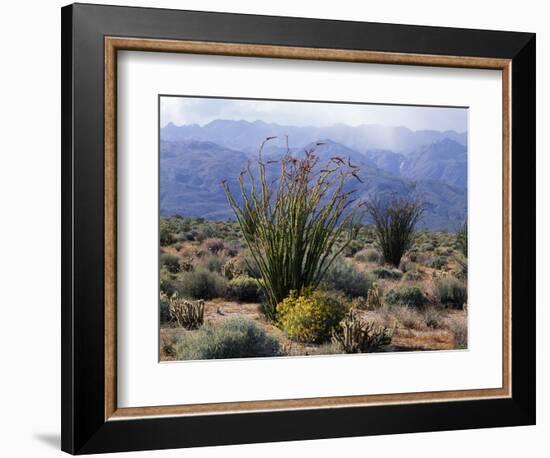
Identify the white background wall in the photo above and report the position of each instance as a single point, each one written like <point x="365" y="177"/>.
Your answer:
<point x="30" y="226"/>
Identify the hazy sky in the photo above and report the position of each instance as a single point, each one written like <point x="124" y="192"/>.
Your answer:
<point x="194" y="110"/>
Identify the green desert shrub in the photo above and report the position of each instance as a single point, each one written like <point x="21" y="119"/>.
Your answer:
<point x="176" y="223"/>
<point x="417" y="257"/>
<point x="164" y="312"/>
<point x="200" y="235"/>
<point x="181" y="237"/>
<point x="412" y="275"/>
<point x="190" y="236"/>
<point x="444" y="251"/>
<point x="244" y="289"/>
<point x="430" y="246"/>
<point x="200" y="283"/>
<point x="170" y="262"/>
<point x="385" y="273"/>
<point x="411" y="296"/>
<point x="437" y="262"/>
<point x="341" y="276"/>
<point x="212" y="263"/>
<point x="232" y="338"/>
<point x="451" y="291"/>
<point x="166" y="237"/>
<point x="310" y="317"/>
<point x="352" y="248"/>
<point x="368" y="255"/>
<point x="297" y="223"/>
<point x="167" y="281"/>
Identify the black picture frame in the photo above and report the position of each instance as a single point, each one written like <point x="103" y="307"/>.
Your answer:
<point x="84" y="429"/>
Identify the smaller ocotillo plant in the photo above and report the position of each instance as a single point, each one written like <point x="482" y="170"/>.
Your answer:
<point x="394" y="223"/>
<point x="293" y="224"/>
<point x="187" y="314"/>
<point x="354" y="336"/>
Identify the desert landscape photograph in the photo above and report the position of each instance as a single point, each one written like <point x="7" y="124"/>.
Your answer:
<point x="308" y="228"/>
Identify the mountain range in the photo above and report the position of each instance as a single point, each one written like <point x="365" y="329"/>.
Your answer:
<point x="247" y="136"/>
<point x="194" y="160"/>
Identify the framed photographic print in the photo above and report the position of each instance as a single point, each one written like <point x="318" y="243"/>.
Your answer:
<point x="284" y="228"/>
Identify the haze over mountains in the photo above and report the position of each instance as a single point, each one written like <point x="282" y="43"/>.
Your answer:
<point x="195" y="159"/>
<point x="246" y="136"/>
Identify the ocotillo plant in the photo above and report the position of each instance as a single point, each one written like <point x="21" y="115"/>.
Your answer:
<point x="394" y="224"/>
<point x="292" y="223"/>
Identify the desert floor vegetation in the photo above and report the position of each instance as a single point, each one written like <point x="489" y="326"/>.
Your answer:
<point x="213" y="300"/>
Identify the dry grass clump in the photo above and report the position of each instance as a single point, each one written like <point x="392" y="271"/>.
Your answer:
<point x="451" y="291"/>
<point x="168" y="341"/>
<point x="433" y="317"/>
<point x="214" y="245"/>
<point x="412" y="276"/>
<point x="422" y="319"/>
<point x="359" y="303"/>
<point x="385" y="273"/>
<point x="368" y="255"/>
<point x="406" y="317"/>
<point x="458" y="326"/>
<point x="408" y="266"/>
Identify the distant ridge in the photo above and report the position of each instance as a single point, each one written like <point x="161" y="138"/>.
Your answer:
<point x="246" y="136"/>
